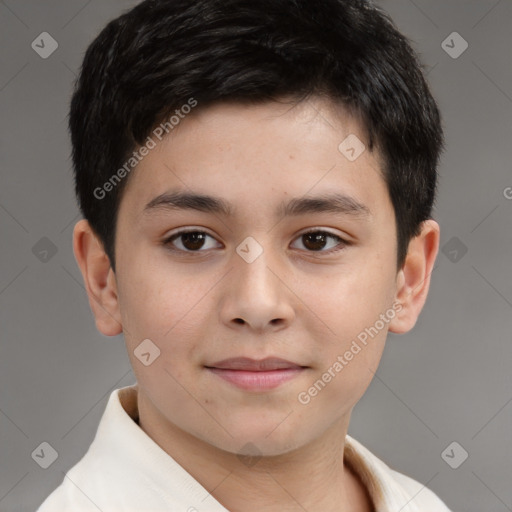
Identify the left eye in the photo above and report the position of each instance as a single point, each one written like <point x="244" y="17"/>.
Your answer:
<point x="194" y="241"/>
<point x="316" y="240"/>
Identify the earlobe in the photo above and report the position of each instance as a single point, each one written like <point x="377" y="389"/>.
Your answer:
<point x="413" y="279"/>
<point x="99" y="278"/>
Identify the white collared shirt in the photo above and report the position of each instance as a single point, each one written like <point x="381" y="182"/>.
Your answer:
<point x="124" y="470"/>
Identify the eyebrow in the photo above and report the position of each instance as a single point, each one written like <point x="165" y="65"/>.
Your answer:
<point x="337" y="203"/>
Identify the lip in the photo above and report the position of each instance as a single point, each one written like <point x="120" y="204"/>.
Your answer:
<point x="256" y="375"/>
<point x="254" y="365"/>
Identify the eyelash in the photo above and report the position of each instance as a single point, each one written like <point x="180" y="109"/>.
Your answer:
<point x="167" y="242"/>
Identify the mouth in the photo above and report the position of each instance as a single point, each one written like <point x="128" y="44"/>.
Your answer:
<point x="256" y="375"/>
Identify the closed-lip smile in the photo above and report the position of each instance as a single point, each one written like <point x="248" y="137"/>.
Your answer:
<point x="256" y="375"/>
<point x="254" y="365"/>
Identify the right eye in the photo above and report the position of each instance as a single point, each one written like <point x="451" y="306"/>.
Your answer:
<point x="191" y="240"/>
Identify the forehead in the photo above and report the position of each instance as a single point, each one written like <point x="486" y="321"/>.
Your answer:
<point x="240" y="156"/>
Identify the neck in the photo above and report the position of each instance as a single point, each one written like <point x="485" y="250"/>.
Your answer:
<point x="313" y="477"/>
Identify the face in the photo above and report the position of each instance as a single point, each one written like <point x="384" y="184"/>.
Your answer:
<point x="273" y="274"/>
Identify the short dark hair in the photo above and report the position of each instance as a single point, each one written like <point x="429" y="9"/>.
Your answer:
<point x="157" y="56"/>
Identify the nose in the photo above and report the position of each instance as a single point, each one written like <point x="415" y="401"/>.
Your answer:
<point x="256" y="297"/>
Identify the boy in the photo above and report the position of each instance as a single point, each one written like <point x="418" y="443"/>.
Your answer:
<point x="257" y="180"/>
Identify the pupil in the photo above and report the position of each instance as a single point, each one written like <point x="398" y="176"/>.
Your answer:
<point x="318" y="240"/>
<point x="193" y="240"/>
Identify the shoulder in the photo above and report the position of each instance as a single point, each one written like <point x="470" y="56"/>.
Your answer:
<point x="105" y="472"/>
<point x="424" y="498"/>
<point x="389" y="488"/>
<point x="69" y="493"/>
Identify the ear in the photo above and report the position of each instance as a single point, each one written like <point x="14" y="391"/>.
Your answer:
<point x="99" y="279"/>
<point x="413" y="279"/>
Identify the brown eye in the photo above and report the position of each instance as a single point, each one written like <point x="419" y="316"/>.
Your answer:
<point x="190" y="241"/>
<point x="316" y="241"/>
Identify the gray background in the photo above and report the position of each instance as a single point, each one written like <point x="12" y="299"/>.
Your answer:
<point x="448" y="380"/>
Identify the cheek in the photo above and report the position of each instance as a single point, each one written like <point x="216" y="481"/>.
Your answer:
<point x="152" y="298"/>
<point x="347" y="372"/>
<point x="350" y="300"/>
<point x="162" y="314"/>
<point x="351" y="304"/>
<point x="166" y="309"/>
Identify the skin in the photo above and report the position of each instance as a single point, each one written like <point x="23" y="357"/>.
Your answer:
<point x="293" y="301"/>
